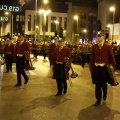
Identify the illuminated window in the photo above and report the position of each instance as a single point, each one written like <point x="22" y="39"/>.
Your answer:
<point x="20" y="18"/>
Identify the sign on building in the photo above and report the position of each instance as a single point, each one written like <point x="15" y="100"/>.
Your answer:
<point x="10" y="8"/>
<point x="3" y="18"/>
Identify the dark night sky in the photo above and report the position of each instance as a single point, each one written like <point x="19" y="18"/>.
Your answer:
<point x="55" y="5"/>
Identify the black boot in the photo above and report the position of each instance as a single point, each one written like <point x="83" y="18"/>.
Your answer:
<point x="58" y="94"/>
<point x="65" y="91"/>
<point x="97" y="103"/>
<point x="104" y="97"/>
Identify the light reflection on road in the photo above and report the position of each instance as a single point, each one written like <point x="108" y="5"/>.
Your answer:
<point x="1" y="76"/>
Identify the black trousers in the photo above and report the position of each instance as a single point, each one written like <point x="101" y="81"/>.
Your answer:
<point x="100" y="76"/>
<point x="8" y="58"/>
<point x="35" y="53"/>
<point x="60" y="77"/>
<point x="20" y="69"/>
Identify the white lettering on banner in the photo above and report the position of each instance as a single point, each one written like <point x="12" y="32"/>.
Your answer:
<point x="10" y="8"/>
<point x="17" y="9"/>
<point x="3" y="18"/>
<point x="3" y="7"/>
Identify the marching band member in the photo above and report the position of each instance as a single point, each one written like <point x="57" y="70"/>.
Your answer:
<point x="44" y="50"/>
<point x="51" y="51"/>
<point x="35" y="47"/>
<point x="101" y="56"/>
<point x="8" y="52"/>
<point x="20" y="48"/>
<point x="59" y="68"/>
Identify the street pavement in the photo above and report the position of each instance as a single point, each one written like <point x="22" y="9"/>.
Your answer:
<point x="37" y="100"/>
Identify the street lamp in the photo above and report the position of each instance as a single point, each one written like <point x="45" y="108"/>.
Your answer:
<point x="56" y="23"/>
<point x="85" y="31"/>
<point x="112" y="9"/>
<point x="76" y="18"/>
<point x="45" y="1"/>
<point x="108" y="25"/>
<point x="35" y="17"/>
<point x="44" y="12"/>
<point x="11" y="22"/>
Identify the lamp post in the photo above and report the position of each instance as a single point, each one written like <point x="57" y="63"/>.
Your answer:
<point x="45" y="1"/>
<point x="56" y="23"/>
<point x="76" y="18"/>
<point x="35" y="17"/>
<point x="11" y="21"/>
<point x="112" y="9"/>
<point x="44" y="12"/>
<point x="85" y="31"/>
<point x="75" y="34"/>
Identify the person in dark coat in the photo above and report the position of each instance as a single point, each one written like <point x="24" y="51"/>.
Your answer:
<point x="60" y="71"/>
<point x="8" y="52"/>
<point x="20" y="48"/>
<point x="44" y="50"/>
<point x="35" y="47"/>
<point x="52" y="47"/>
<point x="101" y="56"/>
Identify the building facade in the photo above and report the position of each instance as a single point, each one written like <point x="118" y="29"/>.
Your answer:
<point x="108" y="18"/>
<point x="54" y="21"/>
<point x="87" y="18"/>
<point x="83" y="28"/>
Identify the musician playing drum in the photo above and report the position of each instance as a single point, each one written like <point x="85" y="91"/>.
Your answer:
<point x="20" y="49"/>
<point x="101" y="56"/>
<point x="60" y="70"/>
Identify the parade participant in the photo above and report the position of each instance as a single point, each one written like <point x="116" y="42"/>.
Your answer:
<point x="59" y="68"/>
<point x="2" y="45"/>
<point x="20" y="48"/>
<point x="51" y="51"/>
<point x="8" y="52"/>
<point x="44" y="50"/>
<point x="35" y="47"/>
<point x="101" y="56"/>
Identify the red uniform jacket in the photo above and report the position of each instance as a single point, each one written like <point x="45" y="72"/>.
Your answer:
<point x="44" y="46"/>
<point x="59" y="56"/>
<point x="9" y="49"/>
<point x="35" y="46"/>
<point x="21" y="48"/>
<point x="103" y="55"/>
<point x="51" y="52"/>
